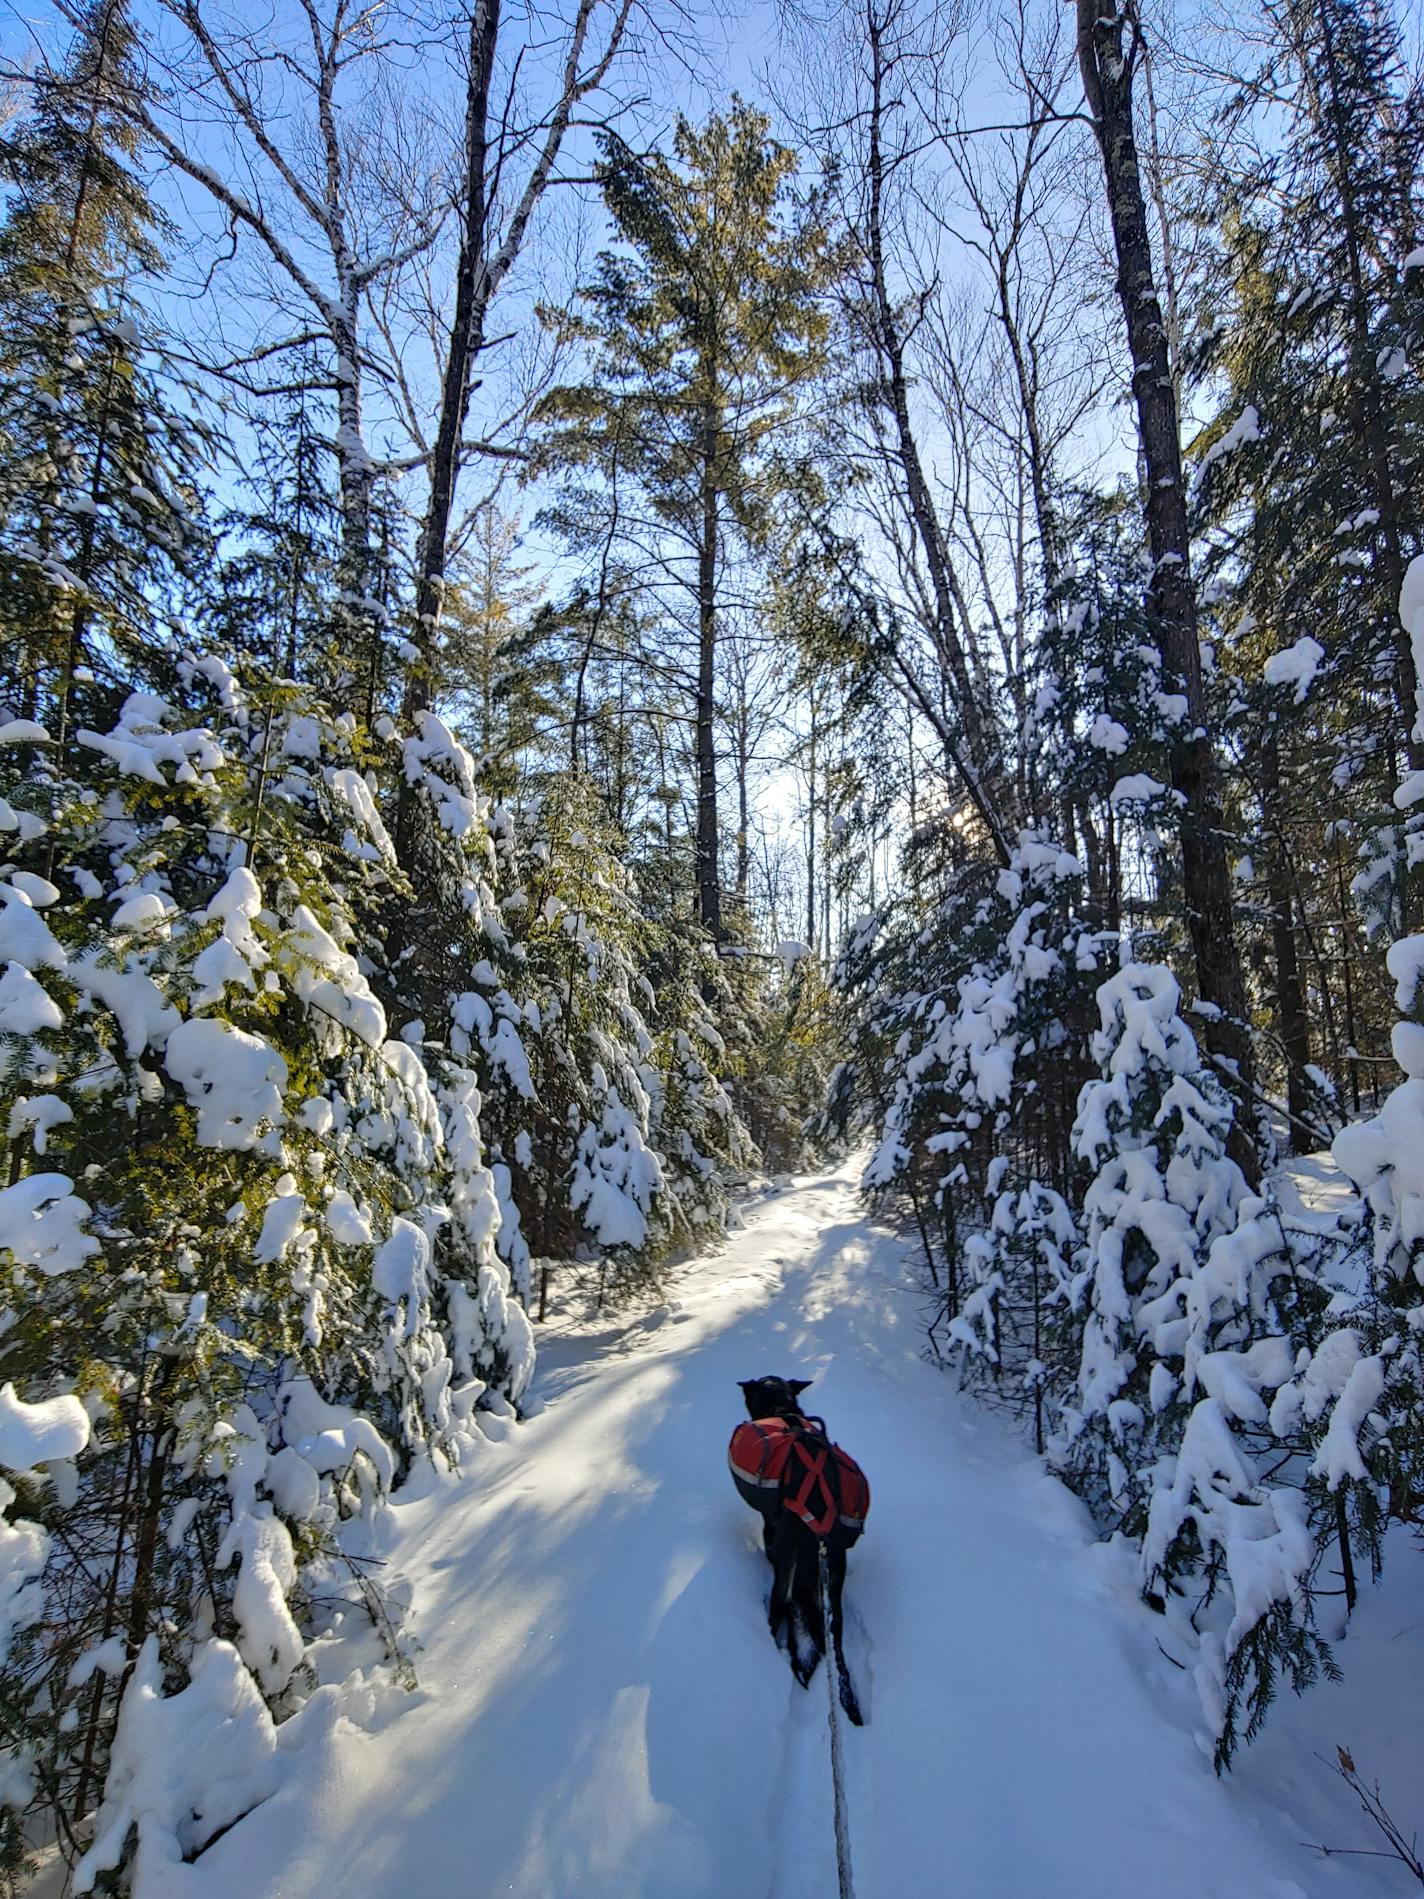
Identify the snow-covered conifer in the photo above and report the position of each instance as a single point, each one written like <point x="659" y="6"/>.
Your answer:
<point x="242" y="1222"/>
<point x="1153" y="1130"/>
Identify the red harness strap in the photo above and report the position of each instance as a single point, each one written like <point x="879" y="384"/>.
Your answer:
<point x="814" y="1454"/>
<point x="794" y="1463"/>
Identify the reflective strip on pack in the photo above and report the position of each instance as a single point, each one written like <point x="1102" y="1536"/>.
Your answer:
<point x="751" y="1476"/>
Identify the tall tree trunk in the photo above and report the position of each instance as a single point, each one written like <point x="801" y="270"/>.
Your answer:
<point x="744" y="855"/>
<point x="709" y="892"/>
<point x="481" y="268"/>
<point x="910" y="768"/>
<point x="466" y="342"/>
<point x="356" y="635"/>
<point x="811" y="837"/>
<point x="826" y="863"/>
<point x="1108" y="68"/>
<point x="971" y="749"/>
<point x="1290" y="999"/>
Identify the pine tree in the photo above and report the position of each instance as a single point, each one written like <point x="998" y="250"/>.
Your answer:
<point x="704" y="325"/>
<point x="96" y="464"/>
<point x="272" y="591"/>
<point x="255" y="1232"/>
<point x="969" y="1049"/>
<point x="1309" y="481"/>
<point x="1153" y="1129"/>
<point x="1014" y="1319"/>
<point x="486" y="600"/>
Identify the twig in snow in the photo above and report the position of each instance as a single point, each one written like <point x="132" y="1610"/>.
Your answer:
<point x="1406" y="1851"/>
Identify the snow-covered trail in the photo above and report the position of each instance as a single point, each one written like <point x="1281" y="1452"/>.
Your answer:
<point x="602" y="1712"/>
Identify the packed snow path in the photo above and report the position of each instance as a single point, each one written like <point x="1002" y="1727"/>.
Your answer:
<point x="601" y="1710"/>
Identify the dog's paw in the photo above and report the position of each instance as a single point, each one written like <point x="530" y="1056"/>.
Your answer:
<point x="850" y="1703"/>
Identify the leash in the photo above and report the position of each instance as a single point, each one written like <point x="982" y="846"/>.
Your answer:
<point x="847" y="1890"/>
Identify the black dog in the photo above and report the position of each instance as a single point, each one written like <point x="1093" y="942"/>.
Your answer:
<point x="794" y="1549"/>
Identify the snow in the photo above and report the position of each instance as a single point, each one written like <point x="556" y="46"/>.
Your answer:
<point x="281" y="1222"/>
<point x="25" y="937"/>
<point x="323" y="974"/>
<point x="142" y="912"/>
<point x="400" y="1270"/>
<point x="23" y="1548"/>
<point x="1295" y="666"/>
<point x="41" y="1221"/>
<point x="329" y="1436"/>
<point x="1246" y="428"/>
<point x="1411" y="614"/>
<point x="23" y="732"/>
<point x="37" y="1115"/>
<point x="437" y="760"/>
<point x="139" y="744"/>
<point x="134" y="999"/>
<point x="1404" y="959"/>
<point x="345" y="1222"/>
<point x="233" y="1079"/>
<point x="25" y="1006"/>
<point x="353" y="789"/>
<point x="1384" y="1156"/>
<point x="37" y="890"/>
<point x="269" y="1641"/>
<point x="33" y="1434"/>
<point x="184" y="1767"/>
<point x="1407" y="1044"/>
<point x="1135" y="788"/>
<point x="1313" y="1192"/>
<point x="1106" y="735"/>
<point x="615" y="1176"/>
<point x="1339" y="1455"/>
<point x="602" y="1714"/>
<point x="507" y="1051"/>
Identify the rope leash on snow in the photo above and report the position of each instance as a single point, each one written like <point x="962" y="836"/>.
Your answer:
<point x="847" y="1890"/>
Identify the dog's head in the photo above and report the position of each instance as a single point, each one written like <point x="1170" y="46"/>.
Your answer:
<point x="773" y="1397"/>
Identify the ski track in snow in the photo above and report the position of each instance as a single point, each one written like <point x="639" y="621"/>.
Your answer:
<point x="602" y="1712"/>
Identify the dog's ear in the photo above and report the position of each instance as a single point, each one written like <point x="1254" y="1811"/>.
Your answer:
<point x="797" y="1385"/>
<point x="746" y="1384"/>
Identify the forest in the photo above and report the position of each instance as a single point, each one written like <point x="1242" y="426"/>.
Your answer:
<point x="606" y="601"/>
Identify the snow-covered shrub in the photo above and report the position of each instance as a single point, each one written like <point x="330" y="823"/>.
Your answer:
<point x="779" y="1021"/>
<point x="1192" y="1302"/>
<point x="1152" y="1130"/>
<point x="1164" y="1328"/>
<point x="1376" y="1413"/>
<point x="248" y="1227"/>
<point x="971" y="1032"/>
<point x="612" y="1134"/>
<point x="704" y="1143"/>
<point x="1015" y="1316"/>
<point x="1235" y="1520"/>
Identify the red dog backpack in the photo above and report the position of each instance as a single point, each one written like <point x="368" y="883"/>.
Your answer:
<point x="776" y="1461"/>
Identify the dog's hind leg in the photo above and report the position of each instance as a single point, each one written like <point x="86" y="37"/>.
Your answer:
<point x="835" y="1579"/>
<point x="807" y="1622"/>
<point x="808" y="1590"/>
<point x="781" y="1549"/>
